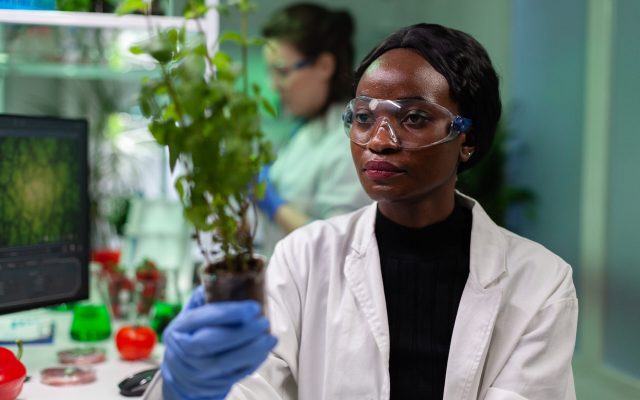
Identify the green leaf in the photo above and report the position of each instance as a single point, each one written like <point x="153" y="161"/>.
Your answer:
<point x="195" y="11"/>
<point x="245" y="6"/>
<point x="161" y="47"/>
<point x="163" y="56"/>
<point x="269" y="107"/>
<point x="157" y="129"/>
<point x="224" y="68"/>
<point x="232" y="37"/>
<point x="200" y="49"/>
<point x="172" y="35"/>
<point x="256" y="41"/>
<point x="222" y="9"/>
<point x="260" y="190"/>
<point x="145" y="106"/>
<point x="136" y="49"/>
<point x="182" y="34"/>
<point x="180" y="184"/>
<point x="173" y="158"/>
<point x="130" y="6"/>
<point x="202" y="9"/>
<point x="198" y="217"/>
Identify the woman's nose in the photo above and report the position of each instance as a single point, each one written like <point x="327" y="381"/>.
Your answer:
<point x="277" y="84"/>
<point x="383" y="137"/>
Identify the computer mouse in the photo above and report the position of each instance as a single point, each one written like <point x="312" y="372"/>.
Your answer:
<point x="136" y="384"/>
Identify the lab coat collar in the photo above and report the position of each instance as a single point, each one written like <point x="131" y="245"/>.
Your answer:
<point x="488" y="243"/>
<point x="487" y="258"/>
<point x="478" y="306"/>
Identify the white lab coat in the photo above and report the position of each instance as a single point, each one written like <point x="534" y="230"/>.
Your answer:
<point x="513" y="337"/>
<point x="314" y="173"/>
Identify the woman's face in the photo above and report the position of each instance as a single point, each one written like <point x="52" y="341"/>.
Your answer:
<point x="303" y="85"/>
<point x="405" y="179"/>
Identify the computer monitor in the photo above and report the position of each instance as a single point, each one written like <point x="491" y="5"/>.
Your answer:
<point x="44" y="212"/>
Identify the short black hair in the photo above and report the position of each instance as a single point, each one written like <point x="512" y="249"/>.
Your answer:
<point x="313" y="30"/>
<point x="465" y="64"/>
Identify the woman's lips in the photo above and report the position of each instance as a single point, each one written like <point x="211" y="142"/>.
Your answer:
<point x="381" y="170"/>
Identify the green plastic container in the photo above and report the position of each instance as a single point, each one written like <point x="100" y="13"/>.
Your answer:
<point x="90" y="323"/>
<point x="161" y="314"/>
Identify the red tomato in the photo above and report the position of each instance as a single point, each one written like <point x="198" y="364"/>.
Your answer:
<point x="135" y="342"/>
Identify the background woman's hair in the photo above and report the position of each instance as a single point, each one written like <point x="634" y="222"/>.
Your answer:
<point x="465" y="64"/>
<point x="312" y="30"/>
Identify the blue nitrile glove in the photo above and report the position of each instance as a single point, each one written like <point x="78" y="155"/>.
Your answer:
<point x="271" y="201"/>
<point x="209" y="347"/>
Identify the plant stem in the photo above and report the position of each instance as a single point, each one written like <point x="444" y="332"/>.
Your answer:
<point x="245" y="51"/>
<point x="207" y="259"/>
<point x="245" y="80"/>
<point x="19" y="343"/>
<point x="248" y="238"/>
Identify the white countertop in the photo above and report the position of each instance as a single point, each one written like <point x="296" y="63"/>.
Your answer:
<point x="109" y="373"/>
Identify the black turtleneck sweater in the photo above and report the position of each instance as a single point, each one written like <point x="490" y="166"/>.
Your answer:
<point x="424" y="271"/>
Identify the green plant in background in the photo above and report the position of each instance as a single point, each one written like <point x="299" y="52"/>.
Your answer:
<point x="204" y="110"/>
<point x="105" y="6"/>
<point x="86" y="5"/>
<point x="487" y="182"/>
<point x="74" y="5"/>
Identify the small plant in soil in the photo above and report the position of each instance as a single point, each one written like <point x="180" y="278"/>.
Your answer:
<point x="202" y="107"/>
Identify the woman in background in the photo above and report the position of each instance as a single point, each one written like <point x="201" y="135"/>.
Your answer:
<point x="309" y="53"/>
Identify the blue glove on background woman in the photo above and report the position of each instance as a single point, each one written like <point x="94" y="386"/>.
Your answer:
<point x="271" y="201"/>
<point x="210" y="347"/>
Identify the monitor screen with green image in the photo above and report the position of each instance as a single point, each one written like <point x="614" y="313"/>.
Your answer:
<point x="44" y="211"/>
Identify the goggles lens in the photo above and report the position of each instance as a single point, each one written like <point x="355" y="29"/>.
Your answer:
<point x="283" y="72"/>
<point x="410" y="123"/>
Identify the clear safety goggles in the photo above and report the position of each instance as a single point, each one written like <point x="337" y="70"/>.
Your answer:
<point x="410" y="123"/>
<point x="282" y="72"/>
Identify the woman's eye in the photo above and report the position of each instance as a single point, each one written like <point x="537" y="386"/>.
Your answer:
<point x="416" y="119"/>
<point x="362" y="118"/>
<point x="280" y="72"/>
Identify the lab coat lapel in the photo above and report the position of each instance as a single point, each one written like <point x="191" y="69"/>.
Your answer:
<point x="469" y="343"/>
<point x="364" y="278"/>
<point x="478" y="309"/>
<point x="369" y="293"/>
